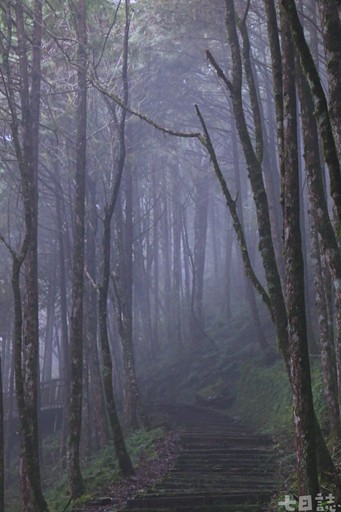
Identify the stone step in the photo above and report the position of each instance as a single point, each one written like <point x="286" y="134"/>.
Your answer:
<point x="221" y="466"/>
<point x="196" y="500"/>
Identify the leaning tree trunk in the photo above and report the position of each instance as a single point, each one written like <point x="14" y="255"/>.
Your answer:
<point x="255" y="174"/>
<point x="275" y="299"/>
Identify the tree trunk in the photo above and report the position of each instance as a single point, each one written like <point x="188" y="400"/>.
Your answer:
<point x="97" y="405"/>
<point x="256" y="179"/>
<point x="25" y="136"/>
<point x="319" y="208"/>
<point x="199" y="254"/>
<point x="328" y="360"/>
<point x="120" y="447"/>
<point x="75" y="479"/>
<point x="121" y="451"/>
<point x="295" y="286"/>
<point x="134" y="414"/>
<point x="320" y="103"/>
<point x="331" y="30"/>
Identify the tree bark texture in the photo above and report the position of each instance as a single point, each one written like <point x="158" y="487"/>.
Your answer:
<point x="321" y="219"/>
<point x="97" y="405"/>
<point x="256" y="178"/>
<point x="120" y="447"/>
<point x="331" y="30"/>
<point x="320" y="102"/>
<point x="295" y="286"/>
<point x="25" y="134"/>
<point x="75" y="479"/>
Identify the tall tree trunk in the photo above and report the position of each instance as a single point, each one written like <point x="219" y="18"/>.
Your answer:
<point x="275" y="299"/>
<point x="319" y="207"/>
<point x="331" y="30"/>
<point x="320" y="103"/>
<point x="134" y="414"/>
<point x="176" y="273"/>
<point x="25" y="136"/>
<point x="75" y="479"/>
<point x="64" y="361"/>
<point x="295" y="286"/>
<point x="328" y="360"/>
<point x="50" y="320"/>
<point x="97" y="405"/>
<point x="199" y="255"/>
<point x="120" y="447"/>
<point x="256" y="179"/>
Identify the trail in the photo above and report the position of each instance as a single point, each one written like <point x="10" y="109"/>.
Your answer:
<point x="221" y="466"/>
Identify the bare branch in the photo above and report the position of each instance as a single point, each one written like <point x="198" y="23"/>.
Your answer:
<point x="219" y="70"/>
<point x="117" y="99"/>
<point x="231" y="204"/>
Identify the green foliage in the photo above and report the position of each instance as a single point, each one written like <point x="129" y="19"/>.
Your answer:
<point x="99" y="471"/>
<point x="263" y="396"/>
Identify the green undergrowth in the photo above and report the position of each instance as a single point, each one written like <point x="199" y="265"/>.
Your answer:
<point x="263" y="400"/>
<point x="235" y="376"/>
<point x="187" y="374"/>
<point x="99" y="471"/>
<point x="263" y="396"/>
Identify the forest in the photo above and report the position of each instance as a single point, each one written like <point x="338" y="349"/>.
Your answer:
<point x="170" y="255"/>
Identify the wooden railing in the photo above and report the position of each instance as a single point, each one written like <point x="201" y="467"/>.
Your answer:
<point x="51" y="397"/>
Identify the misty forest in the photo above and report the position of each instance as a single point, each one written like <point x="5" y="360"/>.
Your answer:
<point x="170" y="255"/>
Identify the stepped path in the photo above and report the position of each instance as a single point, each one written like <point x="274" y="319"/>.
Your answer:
<point x="221" y="466"/>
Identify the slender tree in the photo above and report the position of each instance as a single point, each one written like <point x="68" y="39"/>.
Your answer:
<point x="295" y="286"/>
<point x="320" y="102"/>
<point x="25" y="135"/>
<point x="331" y="30"/>
<point x="120" y="447"/>
<point x="76" y="484"/>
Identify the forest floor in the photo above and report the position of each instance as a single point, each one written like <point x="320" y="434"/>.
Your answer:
<point x="149" y="471"/>
<point x="209" y="462"/>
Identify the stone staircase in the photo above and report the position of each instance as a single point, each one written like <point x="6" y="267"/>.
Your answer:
<point x="222" y="466"/>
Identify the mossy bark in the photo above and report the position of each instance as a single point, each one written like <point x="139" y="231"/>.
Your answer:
<point x="255" y="174"/>
<point x="320" y="103"/>
<point x="295" y="285"/>
<point x="331" y="30"/>
<point x="329" y="246"/>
